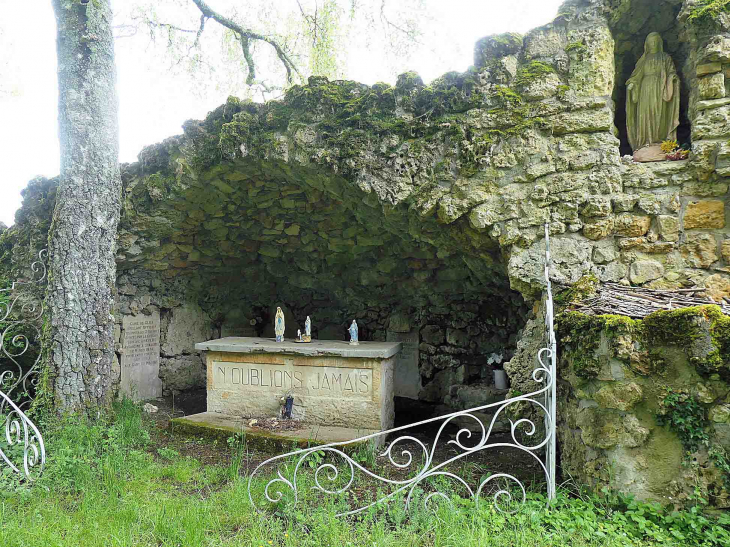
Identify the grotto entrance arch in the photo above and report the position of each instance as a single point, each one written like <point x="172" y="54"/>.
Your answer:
<point x="242" y="237"/>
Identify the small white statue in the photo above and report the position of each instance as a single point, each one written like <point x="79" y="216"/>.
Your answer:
<point x="299" y="334"/>
<point x="354" y="334"/>
<point x="307" y="331"/>
<point x="279" y="325"/>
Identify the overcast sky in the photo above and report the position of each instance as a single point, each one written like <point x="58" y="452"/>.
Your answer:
<point x="154" y="102"/>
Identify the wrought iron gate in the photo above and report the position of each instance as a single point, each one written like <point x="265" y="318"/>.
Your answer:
<point x="21" y="310"/>
<point x="327" y="462"/>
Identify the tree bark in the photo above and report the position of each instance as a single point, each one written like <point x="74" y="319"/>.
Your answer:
<point x="82" y="241"/>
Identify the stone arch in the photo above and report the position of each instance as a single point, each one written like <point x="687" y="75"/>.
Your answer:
<point x="238" y="237"/>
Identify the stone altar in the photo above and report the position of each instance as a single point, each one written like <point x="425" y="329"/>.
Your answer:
<point x="408" y="380"/>
<point x="333" y="383"/>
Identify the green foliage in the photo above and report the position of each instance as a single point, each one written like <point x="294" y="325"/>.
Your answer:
<point x="532" y="71"/>
<point x="103" y="487"/>
<point x="315" y="459"/>
<point x="705" y="10"/>
<point x="577" y="47"/>
<point x="168" y="453"/>
<point x="323" y="56"/>
<point x="366" y="454"/>
<point x="686" y="328"/>
<point x="86" y="451"/>
<point x="580" y="335"/>
<point x="507" y="96"/>
<point x="240" y="453"/>
<point x="687" y="417"/>
<point x="584" y="288"/>
<point x="720" y="458"/>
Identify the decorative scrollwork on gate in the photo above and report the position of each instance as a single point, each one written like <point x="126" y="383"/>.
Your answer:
<point x="21" y="445"/>
<point x="334" y="471"/>
<point x="21" y="311"/>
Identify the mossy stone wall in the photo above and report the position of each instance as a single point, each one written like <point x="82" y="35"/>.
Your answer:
<point x="645" y="404"/>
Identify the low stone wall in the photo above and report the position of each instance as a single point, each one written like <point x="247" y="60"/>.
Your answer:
<point x="645" y="405"/>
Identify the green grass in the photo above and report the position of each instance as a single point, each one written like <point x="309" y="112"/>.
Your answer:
<point x="105" y="484"/>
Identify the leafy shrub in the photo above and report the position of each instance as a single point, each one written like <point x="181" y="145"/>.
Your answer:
<point x="685" y="415"/>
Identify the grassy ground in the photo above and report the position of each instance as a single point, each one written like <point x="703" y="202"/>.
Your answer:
<point x="108" y="483"/>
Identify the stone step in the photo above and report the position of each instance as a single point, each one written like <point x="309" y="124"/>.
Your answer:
<point x="221" y="426"/>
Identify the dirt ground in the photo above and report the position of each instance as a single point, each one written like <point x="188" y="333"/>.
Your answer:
<point x="210" y="452"/>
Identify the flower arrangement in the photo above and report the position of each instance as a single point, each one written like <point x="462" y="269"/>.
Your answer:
<point x="673" y="152"/>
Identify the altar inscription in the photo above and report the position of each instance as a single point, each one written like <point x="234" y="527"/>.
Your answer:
<point x="141" y="356"/>
<point x="311" y="381"/>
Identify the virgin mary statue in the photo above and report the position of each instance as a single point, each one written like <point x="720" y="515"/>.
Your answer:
<point x="652" y="103"/>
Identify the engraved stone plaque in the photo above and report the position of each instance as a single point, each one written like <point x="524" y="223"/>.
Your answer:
<point x="407" y="376"/>
<point x="141" y="356"/>
<point x="309" y="381"/>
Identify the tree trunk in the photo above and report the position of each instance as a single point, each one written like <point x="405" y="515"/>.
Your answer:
<point x="82" y="242"/>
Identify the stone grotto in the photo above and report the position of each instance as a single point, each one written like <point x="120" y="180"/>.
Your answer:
<point x="419" y="211"/>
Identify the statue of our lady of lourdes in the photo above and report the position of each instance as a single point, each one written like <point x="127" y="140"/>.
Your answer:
<point x="354" y="334"/>
<point x="652" y="97"/>
<point x="279" y="326"/>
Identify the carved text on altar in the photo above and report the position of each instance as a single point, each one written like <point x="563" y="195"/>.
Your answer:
<point x="304" y="380"/>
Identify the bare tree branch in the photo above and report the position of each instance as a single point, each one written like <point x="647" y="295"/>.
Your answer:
<point x="203" y="19"/>
<point x="195" y="44"/>
<point x="245" y="36"/>
<point x="246" y="46"/>
<point x="168" y="26"/>
<point x="409" y="34"/>
<point x="311" y="20"/>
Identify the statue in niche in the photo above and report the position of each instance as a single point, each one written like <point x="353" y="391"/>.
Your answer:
<point x="353" y="334"/>
<point x="652" y="98"/>
<point x="279" y="325"/>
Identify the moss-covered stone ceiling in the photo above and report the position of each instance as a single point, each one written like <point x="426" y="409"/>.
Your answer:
<point x="251" y="230"/>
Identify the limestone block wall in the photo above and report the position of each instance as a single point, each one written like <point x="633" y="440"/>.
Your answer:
<point x="645" y="405"/>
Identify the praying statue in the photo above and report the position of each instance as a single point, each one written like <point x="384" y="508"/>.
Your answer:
<point x="353" y="334"/>
<point x="279" y="325"/>
<point x="308" y="327"/>
<point x="652" y="97"/>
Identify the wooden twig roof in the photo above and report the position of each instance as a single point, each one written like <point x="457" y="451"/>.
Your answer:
<point x="638" y="302"/>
